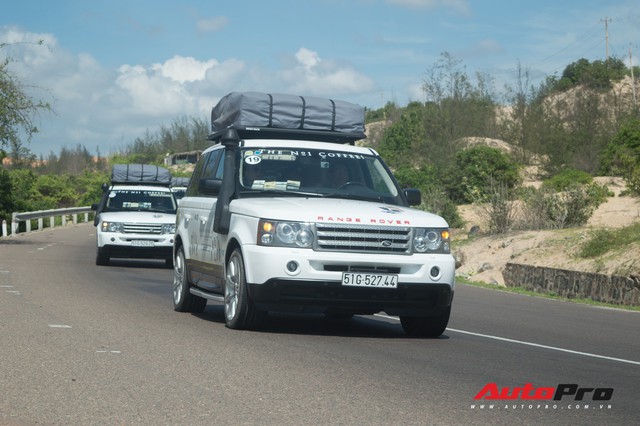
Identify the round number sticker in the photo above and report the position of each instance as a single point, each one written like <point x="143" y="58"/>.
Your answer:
<point x="253" y="159"/>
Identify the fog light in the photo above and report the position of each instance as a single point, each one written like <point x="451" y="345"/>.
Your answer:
<point x="292" y="266"/>
<point x="435" y="272"/>
<point x="112" y="239"/>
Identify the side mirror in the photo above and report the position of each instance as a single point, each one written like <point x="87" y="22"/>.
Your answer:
<point x="414" y="197"/>
<point x="94" y="206"/>
<point x="209" y="186"/>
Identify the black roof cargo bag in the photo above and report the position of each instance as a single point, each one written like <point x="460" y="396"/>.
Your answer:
<point x="281" y="111"/>
<point x="140" y="173"/>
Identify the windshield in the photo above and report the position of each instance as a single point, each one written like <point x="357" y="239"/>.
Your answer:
<point x="317" y="172"/>
<point x="140" y="200"/>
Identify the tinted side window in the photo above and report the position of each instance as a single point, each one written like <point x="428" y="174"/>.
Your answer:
<point x="205" y="169"/>
<point x="209" y="171"/>
<point x="192" y="189"/>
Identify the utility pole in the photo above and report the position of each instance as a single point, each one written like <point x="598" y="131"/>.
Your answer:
<point x="633" y="81"/>
<point x="606" y="36"/>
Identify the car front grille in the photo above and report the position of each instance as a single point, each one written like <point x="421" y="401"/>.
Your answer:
<point x="142" y="228"/>
<point x="362" y="238"/>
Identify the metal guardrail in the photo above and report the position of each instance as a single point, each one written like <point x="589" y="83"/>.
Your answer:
<point x="40" y="215"/>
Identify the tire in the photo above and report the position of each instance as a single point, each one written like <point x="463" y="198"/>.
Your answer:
<point x="183" y="300"/>
<point x="239" y="311"/>
<point x="426" y="326"/>
<point x="101" y="258"/>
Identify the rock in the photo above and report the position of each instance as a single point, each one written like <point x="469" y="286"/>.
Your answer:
<point x="485" y="267"/>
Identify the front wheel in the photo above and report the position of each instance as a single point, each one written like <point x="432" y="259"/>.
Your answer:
<point x="101" y="258"/>
<point x="183" y="300"/>
<point x="239" y="311"/>
<point x="426" y="326"/>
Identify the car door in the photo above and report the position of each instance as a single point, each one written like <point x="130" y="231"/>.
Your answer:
<point x="198" y="209"/>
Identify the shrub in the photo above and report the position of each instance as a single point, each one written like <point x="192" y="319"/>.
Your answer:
<point x="500" y="209"/>
<point x="622" y="155"/>
<point x="566" y="178"/>
<point x="545" y="208"/>
<point x="476" y="169"/>
<point x="436" y="201"/>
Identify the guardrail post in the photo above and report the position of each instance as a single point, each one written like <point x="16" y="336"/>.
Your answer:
<point x="52" y="221"/>
<point x="40" y="224"/>
<point x="28" y="223"/>
<point x="4" y="228"/>
<point x="64" y="220"/>
<point x="14" y="223"/>
<point x="75" y="218"/>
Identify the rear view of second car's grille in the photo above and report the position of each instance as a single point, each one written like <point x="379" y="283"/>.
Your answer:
<point x="142" y="228"/>
<point x="361" y="238"/>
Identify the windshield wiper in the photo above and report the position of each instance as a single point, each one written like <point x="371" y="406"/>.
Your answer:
<point x="281" y="192"/>
<point x="352" y="196"/>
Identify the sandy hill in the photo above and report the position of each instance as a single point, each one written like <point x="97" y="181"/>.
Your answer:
<point x="484" y="257"/>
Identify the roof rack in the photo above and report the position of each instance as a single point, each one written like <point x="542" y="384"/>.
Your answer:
<point x="245" y="132"/>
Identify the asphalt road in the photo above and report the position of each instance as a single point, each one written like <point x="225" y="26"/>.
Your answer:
<point x="83" y="344"/>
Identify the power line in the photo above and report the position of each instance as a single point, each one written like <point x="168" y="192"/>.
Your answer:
<point x="556" y="59"/>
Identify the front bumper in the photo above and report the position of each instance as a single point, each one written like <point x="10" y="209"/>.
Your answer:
<point x="331" y="297"/>
<point x="121" y="245"/>
<point x="128" y="252"/>
<point x="315" y="285"/>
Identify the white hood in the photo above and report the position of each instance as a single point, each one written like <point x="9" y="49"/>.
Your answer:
<point x="333" y="210"/>
<point x="137" y="217"/>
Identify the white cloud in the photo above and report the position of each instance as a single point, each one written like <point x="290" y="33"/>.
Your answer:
<point x="183" y="69"/>
<point x="151" y="93"/>
<point x="307" y="58"/>
<point x="312" y="75"/>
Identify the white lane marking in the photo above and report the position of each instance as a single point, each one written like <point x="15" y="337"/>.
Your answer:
<point x="553" y="348"/>
<point x="12" y="291"/>
<point x="6" y="286"/>
<point x="59" y="326"/>
<point x="108" y="352"/>
<point x="537" y="345"/>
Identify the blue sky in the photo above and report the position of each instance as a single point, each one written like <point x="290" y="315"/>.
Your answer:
<point x="114" y="70"/>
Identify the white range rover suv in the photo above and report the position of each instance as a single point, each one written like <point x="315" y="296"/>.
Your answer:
<point x="302" y="220"/>
<point x="136" y="216"/>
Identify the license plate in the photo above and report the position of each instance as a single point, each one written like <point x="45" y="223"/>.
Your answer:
<point x="359" y="279"/>
<point x="142" y="243"/>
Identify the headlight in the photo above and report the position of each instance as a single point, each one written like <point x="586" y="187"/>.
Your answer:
<point x="431" y="240"/>
<point x="169" y="228"/>
<point x="284" y="234"/>
<point x="112" y="227"/>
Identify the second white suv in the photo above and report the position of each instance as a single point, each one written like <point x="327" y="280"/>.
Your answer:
<point x="136" y="217"/>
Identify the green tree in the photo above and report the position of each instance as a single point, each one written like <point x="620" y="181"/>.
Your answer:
<point x="404" y="139"/>
<point x="6" y="200"/>
<point x="17" y="112"/>
<point x="455" y="107"/>
<point x="622" y="155"/>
